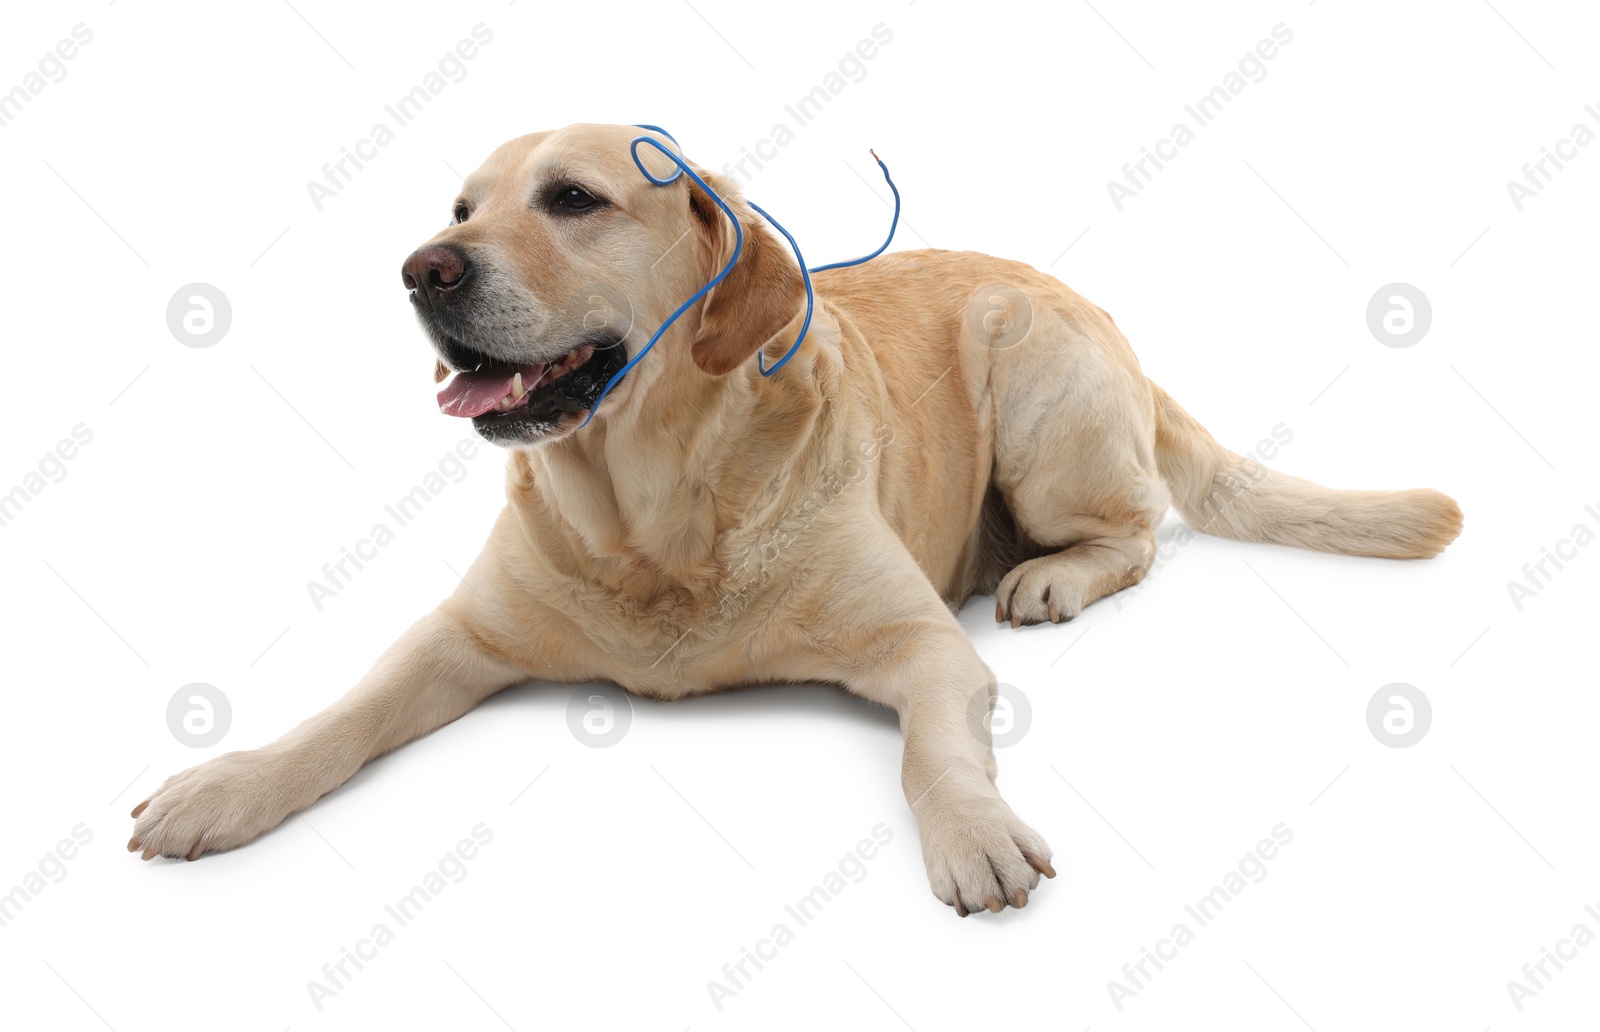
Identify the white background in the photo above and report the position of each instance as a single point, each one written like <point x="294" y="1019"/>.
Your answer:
<point x="1185" y="721"/>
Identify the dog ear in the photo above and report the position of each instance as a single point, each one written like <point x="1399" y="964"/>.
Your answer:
<point x="762" y="293"/>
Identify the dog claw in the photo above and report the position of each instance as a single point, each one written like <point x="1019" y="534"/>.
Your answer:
<point x="1019" y="899"/>
<point x="148" y="853"/>
<point x="137" y="810"/>
<point x="133" y="845"/>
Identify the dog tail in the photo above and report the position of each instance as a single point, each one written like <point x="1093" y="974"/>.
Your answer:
<point x="1231" y="496"/>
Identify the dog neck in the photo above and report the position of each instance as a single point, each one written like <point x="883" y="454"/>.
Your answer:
<point x="646" y="498"/>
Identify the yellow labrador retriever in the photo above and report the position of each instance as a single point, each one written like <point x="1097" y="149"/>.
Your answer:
<point x="952" y="424"/>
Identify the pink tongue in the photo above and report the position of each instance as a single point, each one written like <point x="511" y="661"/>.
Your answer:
<point x="473" y="394"/>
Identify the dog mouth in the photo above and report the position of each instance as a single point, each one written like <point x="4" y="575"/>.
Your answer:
<point x="519" y="402"/>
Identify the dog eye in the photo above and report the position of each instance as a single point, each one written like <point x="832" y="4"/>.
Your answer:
<point x="573" y="198"/>
<point x="461" y="212"/>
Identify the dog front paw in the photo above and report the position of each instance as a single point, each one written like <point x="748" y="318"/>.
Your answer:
<point x="218" y="805"/>
<point x="979" y="855"/>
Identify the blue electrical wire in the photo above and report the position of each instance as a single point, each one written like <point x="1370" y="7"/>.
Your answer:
<point x="805" y="274"/>
<point x="892" y="225"/>
<point x="663" y="132"/>
<point x="738" y="247"/>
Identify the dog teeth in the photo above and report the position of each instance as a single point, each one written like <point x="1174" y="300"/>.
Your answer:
<point x="568" y="363"/>
<point x="548" y="373"/>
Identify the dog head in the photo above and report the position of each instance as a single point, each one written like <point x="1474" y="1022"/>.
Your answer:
<point x="561" y="259"/>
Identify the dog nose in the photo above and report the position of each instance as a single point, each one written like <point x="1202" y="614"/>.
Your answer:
<point x="436" y="273"/>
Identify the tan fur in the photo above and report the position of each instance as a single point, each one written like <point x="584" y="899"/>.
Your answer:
<point x="954" y="424"/>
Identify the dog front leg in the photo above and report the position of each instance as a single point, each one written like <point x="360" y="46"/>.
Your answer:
<point x="435" y="672"/>
<point x="978" y="853"/>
